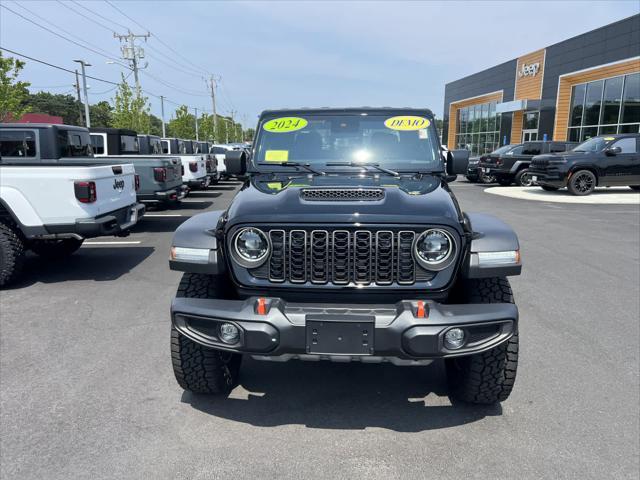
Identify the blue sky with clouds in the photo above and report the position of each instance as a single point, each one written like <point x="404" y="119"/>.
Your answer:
<point x="288" y="54"/>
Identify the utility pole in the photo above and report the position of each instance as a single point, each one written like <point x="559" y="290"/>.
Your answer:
<point x="164" y="131"/>
<point x="132" y="53"/>
<point x="77" y="85"/>
<point x="196" y="110"/>
<point x="233" y="126"/>
<point x="213" y="84"/>
<point x="84" y="64"/>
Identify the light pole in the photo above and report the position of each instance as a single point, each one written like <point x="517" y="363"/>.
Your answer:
<point x="84" y="89"/>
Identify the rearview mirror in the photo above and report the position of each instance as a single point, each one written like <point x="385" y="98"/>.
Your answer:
<point x="611" y="151"/>
<point x="236" y="162"/>
<point x="457" y="162"/>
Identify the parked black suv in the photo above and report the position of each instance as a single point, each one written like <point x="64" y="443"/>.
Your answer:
<point x="345" y="243"/>
<point x="605" y="161"/>
<point x="513" y="165"/>
<point x="475" y="172"/>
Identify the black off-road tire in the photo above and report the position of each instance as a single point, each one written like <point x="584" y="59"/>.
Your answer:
<point x="582" y="182"/>
<point x="11" y="254"/>
<point x="197" y="368"/>
<point x="523" y="179"/>
<point x="635" y="187"/>
<point x="53" y="249"/>
<point x="549" y="188"/>
<point x="485" y="378"/>
<point x="505" y="182"/>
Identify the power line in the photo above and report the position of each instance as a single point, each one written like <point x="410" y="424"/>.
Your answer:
<point x="175" y="87"/>
<point x="57" y="34"/>
<point x="90" y="11"/>
<point x="66" y="5"/>
<point x="156" y="36"/>
<point x="61" y="29"/>
<point x="58" y="67"/>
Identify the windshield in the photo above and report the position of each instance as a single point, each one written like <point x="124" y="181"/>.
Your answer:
<point x="517" y="150"/>
<point x="500" y="150"/>
<point x="594" y="144"/>
<point x="74" y="143"/>
<point x="129" y="144"/>
<point x="155" y="146"/>
<point x="396" y="142"/>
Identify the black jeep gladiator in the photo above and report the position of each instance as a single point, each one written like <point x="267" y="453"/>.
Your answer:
<point x="605" y="161"/>
<point x="345" y="243"/>
<point x="513" y="165"/>
<point x="475" y="172"/>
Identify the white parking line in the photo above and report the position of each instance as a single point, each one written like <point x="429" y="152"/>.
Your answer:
<point x="129" y="242"/>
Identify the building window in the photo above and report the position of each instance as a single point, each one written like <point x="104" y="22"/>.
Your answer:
<point x="605" y="107"/>
<point x="478" y="128"/>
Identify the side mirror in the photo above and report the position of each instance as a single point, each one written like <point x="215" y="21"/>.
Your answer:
<point x="457" y="162"/>
<point x="612" y="151"/>
<point x="236" y="162"/>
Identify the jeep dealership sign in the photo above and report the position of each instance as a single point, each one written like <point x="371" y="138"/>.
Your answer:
<point x="529" y="70"/>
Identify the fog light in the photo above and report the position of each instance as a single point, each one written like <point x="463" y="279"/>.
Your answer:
<point x="454" y="338"/>
<point x="229" y="333"/>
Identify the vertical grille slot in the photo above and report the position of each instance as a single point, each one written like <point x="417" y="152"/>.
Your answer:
<point x="277" y="260"/>
<point x="406" y="266"/>
<point x="362" y="261"/>
<point x="319" y="256"/>
<point x="342" y="257"/>
<point x="298" y="256"/>
<point x="384" y="257"/>
<point x="341" y="254"/>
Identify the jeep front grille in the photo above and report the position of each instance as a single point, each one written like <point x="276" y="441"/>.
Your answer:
<point x="342" y="257"/>
<point x="342" y="194"/>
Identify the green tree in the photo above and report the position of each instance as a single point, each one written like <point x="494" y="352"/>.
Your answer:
<point x="205" y="127"/>
<point x="101" y="114"/>
<point x="156" y="125"/>
<point x="249" y="133"/>
<point x="184" y="124"/>
<point x="131" y="110"/>
<point x="13" y="93"/>
<point x="65" y="106"/>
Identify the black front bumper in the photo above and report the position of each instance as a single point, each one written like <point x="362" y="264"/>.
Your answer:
<point x="201" y="182"/>
<point x="331" y="331"/>
<point x="113" y="223"/>
<point x="550" y="178"/>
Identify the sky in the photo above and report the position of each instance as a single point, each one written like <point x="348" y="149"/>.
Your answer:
<point x="271" y="54"/>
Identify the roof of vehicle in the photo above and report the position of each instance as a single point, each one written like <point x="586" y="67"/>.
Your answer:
<point x="59" y="126"/>
<point x="116" y="131"/>
<point x="348" y="110"/>
<point x="547" y="141"/>
<point x="147" y="135"/>
<point x="618" y="135"/>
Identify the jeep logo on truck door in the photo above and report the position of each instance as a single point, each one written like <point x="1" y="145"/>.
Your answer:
<point x="118" y="184"/>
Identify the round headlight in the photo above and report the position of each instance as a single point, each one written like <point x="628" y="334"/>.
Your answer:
<point x="251" y="247"/>
<point x="433" y="249"/>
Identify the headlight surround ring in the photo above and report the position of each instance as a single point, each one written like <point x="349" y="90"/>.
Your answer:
<point x="441" y="263"/>
<point x="246" y="260"/>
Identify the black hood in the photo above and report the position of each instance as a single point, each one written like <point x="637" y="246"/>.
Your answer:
<point x="407" y="200"/>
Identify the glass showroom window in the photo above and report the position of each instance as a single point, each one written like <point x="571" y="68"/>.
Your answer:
<point x="478" y="128"/>
<point x="605" y="106"/>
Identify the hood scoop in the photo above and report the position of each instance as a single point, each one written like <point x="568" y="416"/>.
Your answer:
<point x="342" y="194"/>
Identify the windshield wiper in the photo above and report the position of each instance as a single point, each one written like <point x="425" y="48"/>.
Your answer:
<point x="361" y="164"/>
<point x="306" y="166"/>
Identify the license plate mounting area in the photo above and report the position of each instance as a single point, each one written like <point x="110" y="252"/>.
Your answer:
<point x="340" y="334"/>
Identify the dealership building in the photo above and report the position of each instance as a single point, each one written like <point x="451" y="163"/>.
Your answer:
<point x="584" y="86"/>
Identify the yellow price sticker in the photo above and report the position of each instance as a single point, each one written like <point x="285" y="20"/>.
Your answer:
<point x="608" y="139"/>
<point x="406" y="123"/>
<point x="276" y="156"/>
<point x="285" y="124"/>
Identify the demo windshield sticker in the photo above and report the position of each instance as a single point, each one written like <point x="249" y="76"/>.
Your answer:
<point x="406" y="123"/>
<point x="285" y="124"/>
<point x="608" y="139"/>
<point x="276" y="156"/>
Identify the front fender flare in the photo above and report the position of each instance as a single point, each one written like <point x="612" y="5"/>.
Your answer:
<point x="199" y="232"/>
<point x="490" y="234"/>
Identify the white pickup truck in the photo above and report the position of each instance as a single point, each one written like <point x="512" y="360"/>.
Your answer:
<point x="52" y="196"/>
<point x="194" y="167"/>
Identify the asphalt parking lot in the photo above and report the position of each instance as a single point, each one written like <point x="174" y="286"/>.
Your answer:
<point x="87" y="389"/>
